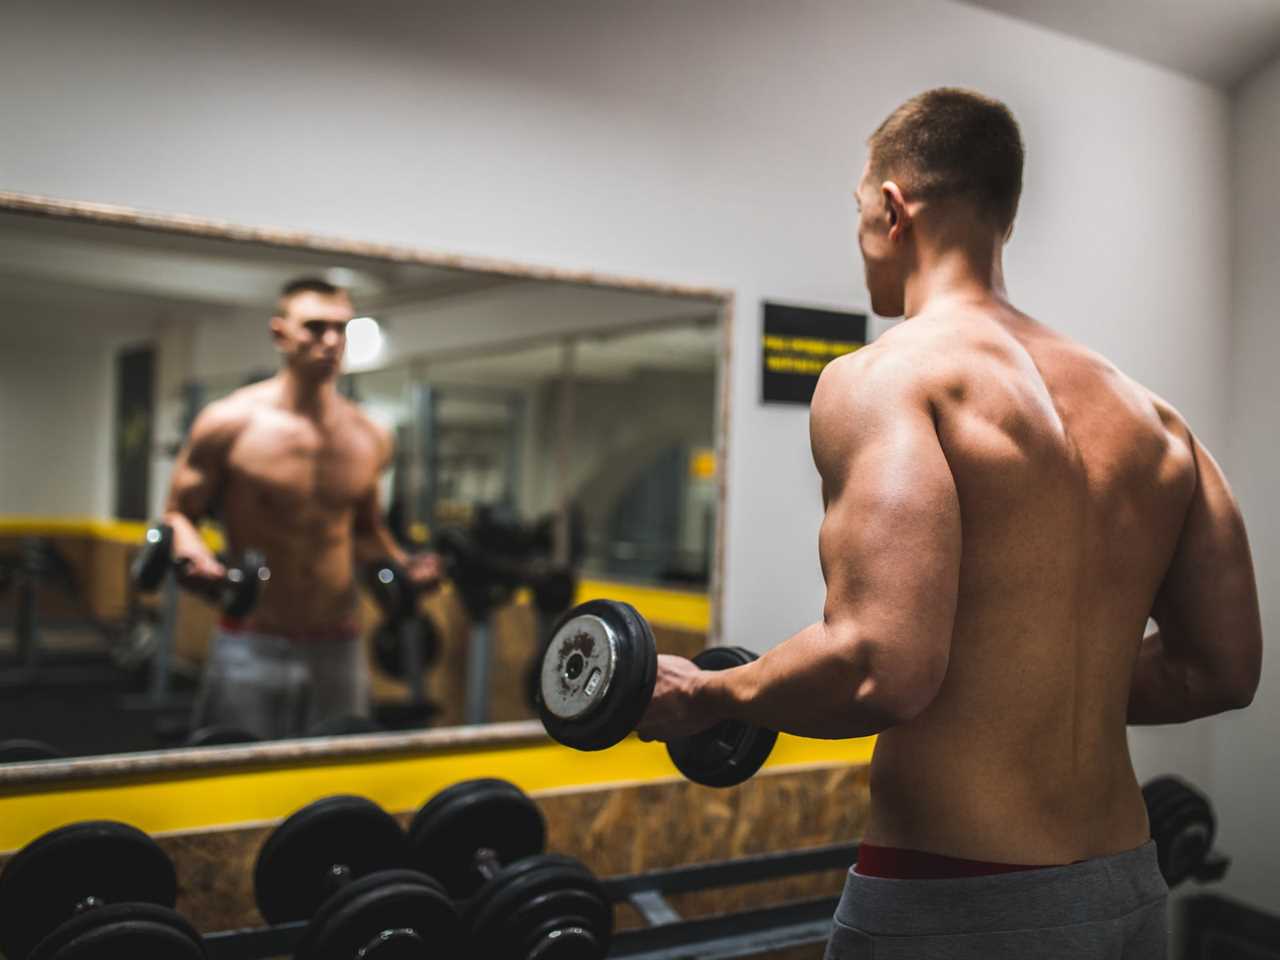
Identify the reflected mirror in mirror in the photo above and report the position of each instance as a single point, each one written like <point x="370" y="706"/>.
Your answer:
<point x="228" y="515"/>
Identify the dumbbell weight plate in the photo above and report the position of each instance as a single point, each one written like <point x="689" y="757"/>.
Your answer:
<point x="292" y="878"/>
<point x="131" y="930"/>
<point x="153" y="559"/>
<point x="359" y="914"/>
<point x="1184" y="836"/>
<point x="388" y="642"/>
<point x="1182" y="825"/>
<point x="390" y="588"/>
<point x="344" y="725"/>
<point x="564" y="924"/>
<point x="597" y="675"/>
<point x="219" y="736"/>
<point x="474" y="814"/>
<point x="25" y="751"/>
<point x="243" y="585"/>
<point x="553" y="591"/>
<point x="730" y="752"/>
<point x="43" y="883"/>
<point x="518" y="905"/>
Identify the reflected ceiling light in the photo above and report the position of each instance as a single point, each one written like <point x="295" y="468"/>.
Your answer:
<point x="364" y="341"/>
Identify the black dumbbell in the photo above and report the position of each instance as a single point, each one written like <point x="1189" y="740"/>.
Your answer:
<point x="219" y="735"/>
<point x="238" y="592"/>
<point x="95" y="890"/>
<point x="484" y="841"/>
<point x="344" y="725"/>
<point x="341" y="864"/>
<point x="553" y="590"/>
<point x="402" y="624"/>
<point x="1183" y="826"/>
<point x="25" y="751"/>
<point x="597" y="676"/>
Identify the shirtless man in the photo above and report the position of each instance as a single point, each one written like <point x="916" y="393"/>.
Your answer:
<point x="292" y="468"/>
<point x="1004" y="511"/>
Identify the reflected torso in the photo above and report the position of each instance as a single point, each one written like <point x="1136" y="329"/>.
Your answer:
<point x="1072" y="482"/>
<point x="292" y="488"/>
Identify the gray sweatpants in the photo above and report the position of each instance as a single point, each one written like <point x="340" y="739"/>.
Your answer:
<point x="277" y="687"/>
<point x="1109" y="908"/>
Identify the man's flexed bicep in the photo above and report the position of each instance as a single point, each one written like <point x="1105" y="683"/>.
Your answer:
<point x="199" y="474"/>
<point x="890" y="552"/>
<point x="890" y="538"/>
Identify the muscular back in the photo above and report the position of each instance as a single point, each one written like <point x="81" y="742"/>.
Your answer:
<point x="1072" y="482"/>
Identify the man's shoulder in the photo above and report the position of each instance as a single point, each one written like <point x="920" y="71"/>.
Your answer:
<point x="224" y="419"/>
<point x="901" y="362"/>
<point x="357" y="421"/>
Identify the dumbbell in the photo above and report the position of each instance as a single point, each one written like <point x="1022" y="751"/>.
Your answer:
<point x="25" y="751"/>
<point x="597" y="677"/>
<point x="238" y="592"/>
<point x="406" y="641"/>
<point x="343" y="725"/>
<point x="1183" y="826"/>
<point x="94" y="890"/>
<point x="219" y="735"/>
<point x="484" y="841"/>
<point x="340" y="864"/>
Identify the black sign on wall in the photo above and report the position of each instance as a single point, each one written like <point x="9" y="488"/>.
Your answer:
<point x="135" y="375"/>
<point x="798" y="342"/>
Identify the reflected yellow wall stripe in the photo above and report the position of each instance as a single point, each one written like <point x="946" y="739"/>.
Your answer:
<point x="676" y="609"/>
<point x="125" y="531"/>
<point x="679" y="609"/>
<point x="203" y="799"/>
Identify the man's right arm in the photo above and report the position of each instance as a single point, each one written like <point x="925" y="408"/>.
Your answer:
<point x="198" y="475"/>
<point x="1206" y="656"/>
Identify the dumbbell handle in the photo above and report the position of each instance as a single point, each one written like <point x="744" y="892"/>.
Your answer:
<point x="487" y="863"/>
<point x="89" y="903"/>
<point x="336" y="877"/>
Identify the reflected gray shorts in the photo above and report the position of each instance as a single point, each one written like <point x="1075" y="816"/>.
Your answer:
<point x="1108" y="908"/>
<point x="278" y="686"/>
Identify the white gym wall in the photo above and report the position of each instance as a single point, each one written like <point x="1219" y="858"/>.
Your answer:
<point x="1246" y="758"/>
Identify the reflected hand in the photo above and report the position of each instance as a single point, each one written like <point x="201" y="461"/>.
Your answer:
<point x="676" y="709"/>
<point x="200" y="572"/>
<point x="425" y="571"/>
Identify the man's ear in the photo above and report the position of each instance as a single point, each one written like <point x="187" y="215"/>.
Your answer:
<point x="276" y="327"/>
<point x="897" y="219"/>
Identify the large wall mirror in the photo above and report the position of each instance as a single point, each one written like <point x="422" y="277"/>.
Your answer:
<point x="555" y="438"/>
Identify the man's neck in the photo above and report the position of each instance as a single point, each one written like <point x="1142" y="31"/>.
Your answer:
<point x="310" y="398"/>
<point x="967" y="273"/>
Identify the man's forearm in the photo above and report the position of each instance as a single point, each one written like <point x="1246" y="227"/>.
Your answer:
<point x="1167" y="688"/>
<point x="807" y="686"/>
<point x="187" y="540"/>
<point x="375" y="544"/>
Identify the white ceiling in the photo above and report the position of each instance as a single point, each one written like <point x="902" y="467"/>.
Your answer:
<point x="79" y="285"/>
<point x="691" y="346"/>
<point x="1220" y="41"/>
<point x="64" y="280"/>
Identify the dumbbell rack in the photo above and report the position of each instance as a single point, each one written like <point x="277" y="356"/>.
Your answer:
<point x="667" y="935"/>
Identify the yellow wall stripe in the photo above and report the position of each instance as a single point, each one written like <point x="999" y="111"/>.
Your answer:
<point x="201" y="799"/>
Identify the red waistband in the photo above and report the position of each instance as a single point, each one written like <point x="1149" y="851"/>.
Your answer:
<point x="337" y="631"/>
<point x="894" y="864"/>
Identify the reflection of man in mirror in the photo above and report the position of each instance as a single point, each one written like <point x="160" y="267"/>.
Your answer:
<point x="292" y="467"/>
